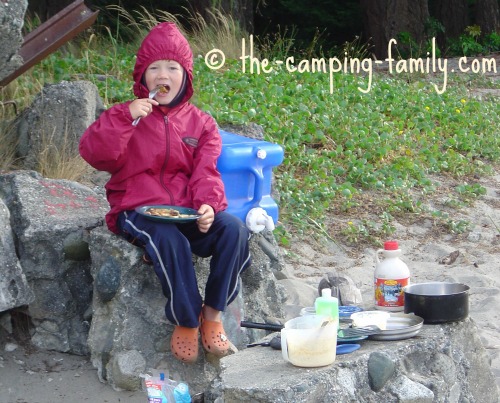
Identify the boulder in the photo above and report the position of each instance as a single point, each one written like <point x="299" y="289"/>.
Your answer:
<point x="128" y="311"/>
<point x="14" y="288"/>
<point x="443" y="363"/>
<point x="51" y="220"/>
<point x="56" y="119"/>
<point x="12" y="17"/>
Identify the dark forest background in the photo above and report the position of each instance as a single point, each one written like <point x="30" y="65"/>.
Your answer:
<point x="460" y="26"/>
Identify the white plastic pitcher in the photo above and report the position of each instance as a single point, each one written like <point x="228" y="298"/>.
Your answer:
<point x="309" y="341"/>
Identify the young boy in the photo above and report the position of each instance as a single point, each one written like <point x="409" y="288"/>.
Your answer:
<point x="169" y="157"/>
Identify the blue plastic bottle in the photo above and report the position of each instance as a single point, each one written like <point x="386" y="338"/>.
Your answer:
<point x="181" y="393"/>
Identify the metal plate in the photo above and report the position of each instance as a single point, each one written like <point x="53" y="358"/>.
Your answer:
<point x="400" y="326"/>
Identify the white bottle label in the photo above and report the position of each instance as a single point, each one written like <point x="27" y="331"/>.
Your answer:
<point x="389" y="293"/>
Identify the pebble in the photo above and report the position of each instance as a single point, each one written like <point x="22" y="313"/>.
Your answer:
<point x="108" y="279"/>
<point x="380" y="370"/>
<point x="9" y="347"/>
<point x="474" y="237"/>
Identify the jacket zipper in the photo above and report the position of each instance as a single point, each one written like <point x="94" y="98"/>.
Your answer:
<point x="167" y="157"/>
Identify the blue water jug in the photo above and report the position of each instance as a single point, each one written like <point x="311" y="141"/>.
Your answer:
<point x="246" y="167"/>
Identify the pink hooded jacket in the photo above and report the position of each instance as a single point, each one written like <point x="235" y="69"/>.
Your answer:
<point x="170" y="157"/>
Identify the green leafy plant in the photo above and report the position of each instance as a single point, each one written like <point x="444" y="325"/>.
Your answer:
<point x="491" y="42"/>
<point x="409" y="47"/>
<point x="471" y="42"/>
<point x="469" y="193"/>
<point x="433" y="27"/>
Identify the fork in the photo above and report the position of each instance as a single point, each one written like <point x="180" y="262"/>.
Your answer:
<point x="152" y="94"/>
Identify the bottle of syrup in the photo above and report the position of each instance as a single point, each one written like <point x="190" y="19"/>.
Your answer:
<point x="391" y="276"/>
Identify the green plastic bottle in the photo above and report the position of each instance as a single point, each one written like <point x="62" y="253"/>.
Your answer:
<point x="327" y="305"/>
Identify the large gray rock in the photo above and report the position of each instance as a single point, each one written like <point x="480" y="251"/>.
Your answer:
<point x="444" y="363"/>
<point x="128" y="312"/>
<point x="12" y="18"/>
<point x="51" y="220"/>
<point x="14" y="288"/>
<point x="56" y="120"/>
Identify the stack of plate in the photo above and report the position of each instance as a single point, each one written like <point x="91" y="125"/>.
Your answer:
<point x="400" y="326"/>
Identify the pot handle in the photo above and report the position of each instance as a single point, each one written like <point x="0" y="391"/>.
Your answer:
<point x="284" y="345"/>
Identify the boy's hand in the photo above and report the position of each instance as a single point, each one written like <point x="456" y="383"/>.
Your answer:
<point x="142" y="107"/>
<point x="206" y="219"/>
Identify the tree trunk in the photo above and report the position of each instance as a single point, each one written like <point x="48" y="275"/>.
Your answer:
<point x="385" y="19"/>
<point x="487" y="16"/>
<point x="241" y="11"/>
<point x="454" y="15"/>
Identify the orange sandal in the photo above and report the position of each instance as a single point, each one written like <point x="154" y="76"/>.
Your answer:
<point x="184" y="343"/>
<point x="213" y="337"/>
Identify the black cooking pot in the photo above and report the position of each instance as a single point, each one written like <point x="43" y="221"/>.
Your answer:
<point x="437" y="302"/>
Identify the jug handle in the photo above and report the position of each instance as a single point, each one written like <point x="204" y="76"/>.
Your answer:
<point x="377" y="260"/>
<point x="259" y="183"/>
<point x="284" y="345"/>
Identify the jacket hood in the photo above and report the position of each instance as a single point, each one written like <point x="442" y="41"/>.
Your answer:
<point x="164" y="42"/>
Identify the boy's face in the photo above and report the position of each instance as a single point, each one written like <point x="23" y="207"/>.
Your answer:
<point x="167" y="73"/>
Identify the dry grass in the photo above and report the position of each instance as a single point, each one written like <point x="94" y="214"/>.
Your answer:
<point x="60" y="159"/>
<point x="8" y="145"/>
<point x="219" y="31"/>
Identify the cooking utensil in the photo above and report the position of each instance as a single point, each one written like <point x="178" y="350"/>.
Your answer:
<point x="262" y="326"/>
<point x="152" y="94"/>
<point x="437" y="302"/>
<point x="309" y="341"/>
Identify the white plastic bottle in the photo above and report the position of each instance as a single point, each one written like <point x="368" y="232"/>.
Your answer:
<point x="391" y="276"/>
<point x="327" y="305"/>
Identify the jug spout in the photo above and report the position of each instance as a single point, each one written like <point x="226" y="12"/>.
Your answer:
<point x="257" y="220"/>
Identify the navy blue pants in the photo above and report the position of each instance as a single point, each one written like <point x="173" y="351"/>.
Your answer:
<point x="170" y="248"/>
